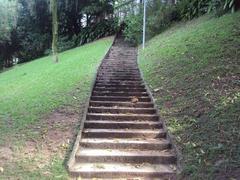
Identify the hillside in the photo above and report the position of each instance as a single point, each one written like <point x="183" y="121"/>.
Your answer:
<point x="193" y="70"/>
<point x="40" y="104"/>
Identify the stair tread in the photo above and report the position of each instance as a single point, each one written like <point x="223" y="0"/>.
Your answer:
<point x="122" y="108"/>
<point x="121" y="114"/>
<point x="123" y="152"/>
<point x="87" y="130"/>
<point x="122" y="167"/>
<point x="127" y="141"/>
<point x="122" y="122"/>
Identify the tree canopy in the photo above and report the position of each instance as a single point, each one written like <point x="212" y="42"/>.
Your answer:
<point x="26" y="26"/>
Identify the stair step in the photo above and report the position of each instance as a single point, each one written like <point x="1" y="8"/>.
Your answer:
<point x="118" y="110"/>
<point x="120" y="86"/>
<point x="99" y="93"/>
<point x="120" y="98"/>
<point x="121" y="124"/>
<point x="112" y="80"/>
<point x="112" y="89"/>
<point x="138" y="117"/>
<point x="115" y="83"/>
<point x="124" y="156"/>
<point x="123" y="133"/>
<point x="120" y="170"/>
<point x="121" y="104"/>
<point x="147" y="144"/>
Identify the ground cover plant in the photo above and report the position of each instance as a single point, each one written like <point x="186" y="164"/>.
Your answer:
<point x="193" y="70"/>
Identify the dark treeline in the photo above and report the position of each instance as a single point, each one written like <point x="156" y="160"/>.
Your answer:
<point x="80" y="21"/>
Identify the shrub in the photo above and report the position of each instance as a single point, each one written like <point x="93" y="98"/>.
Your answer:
<point x="159" y="17"/>
<point x="133" y="30"/>
<point x="96" y="31"/>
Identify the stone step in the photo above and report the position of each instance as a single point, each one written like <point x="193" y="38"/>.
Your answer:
<point x="120" y="86"/>
<point x="101" y="93"/>
<point x="120" y="110"/>
<point x="88" y="155"/>
<point x="147" y="144"/>
<point x="122" y="124"/>
<point x="121" y="104"/>
<point x="114" y="82"/>
<point x="123" y="133"/>
<point x="122" y="117"/>
<point x="114" y="74"/>
<point x="115" y="89"/>
<point x="120" y="170"/>
<point x="121" y="98"/>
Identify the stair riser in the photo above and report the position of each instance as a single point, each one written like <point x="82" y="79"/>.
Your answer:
<point x="118" y="79"/>
<point x="121" y="126"/>
<point x="126" y="146"/>
<point x="122" y="117"/>
<point x="124" y="74"/>
<point x="118" y="94"/>
<point x="120" y="86"/>
<point x="118" y="83"/>
<point x="138" y="90"/>
<point x="122" y="135"/>
<point x="119" y="104"/>
<point x="123" y="111"/>
<point x="110" y="175"/>
<point x="121" y="99"/>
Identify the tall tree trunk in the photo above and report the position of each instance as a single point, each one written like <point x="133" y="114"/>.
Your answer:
<point x="54" y="30"/>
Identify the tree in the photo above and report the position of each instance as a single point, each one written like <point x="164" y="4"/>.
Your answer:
<point x="54" y="29"/>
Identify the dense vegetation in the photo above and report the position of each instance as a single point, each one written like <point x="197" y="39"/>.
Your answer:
<point x="27" y="27"/>
<point x="193" y="70"/>
<point x="162" y="14"/>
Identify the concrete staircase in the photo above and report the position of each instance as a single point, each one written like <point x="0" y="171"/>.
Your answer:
<point x="122" y="136"/>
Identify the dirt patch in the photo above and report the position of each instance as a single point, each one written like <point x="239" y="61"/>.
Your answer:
<point x="54" y="134"/>
<point x="57" y="131"/>
<point x="6" y="155"/>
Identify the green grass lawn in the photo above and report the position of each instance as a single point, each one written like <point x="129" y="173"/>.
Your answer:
<point x="193" y="70"/>
<point x="30" y="91"/>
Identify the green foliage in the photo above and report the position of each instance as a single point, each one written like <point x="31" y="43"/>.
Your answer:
<point x="7" y="35"/>
<point x="195" y="66"/>
<point x="96" y="31"/>
<point x="189" y="9"/>
<point x="220" y="7"/>
<point x="80" y="22"/>
<point x="159" y="17"/>
<point x="133" y="30"/>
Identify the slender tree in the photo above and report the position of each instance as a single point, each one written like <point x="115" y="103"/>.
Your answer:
<point x="54" y="29"/>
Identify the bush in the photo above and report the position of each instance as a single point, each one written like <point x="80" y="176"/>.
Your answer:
<point x="159" y="17"/>
<point x="32" y="46"/>
<point x="189" y="9"/>
<point x="96" y="31"/>
<point x="133" y="30"/>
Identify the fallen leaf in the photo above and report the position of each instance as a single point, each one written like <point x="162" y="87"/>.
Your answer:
<point x="134" y="100"/>
<point x="1" y="169"/>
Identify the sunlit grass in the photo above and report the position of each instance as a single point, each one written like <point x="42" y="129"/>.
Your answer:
<point x="31" y="90"/>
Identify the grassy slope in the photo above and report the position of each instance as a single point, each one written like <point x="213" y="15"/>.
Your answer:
<point x="33" y="89"/>
<point x="30" y="91"/>
<point x="194" y="69"/>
